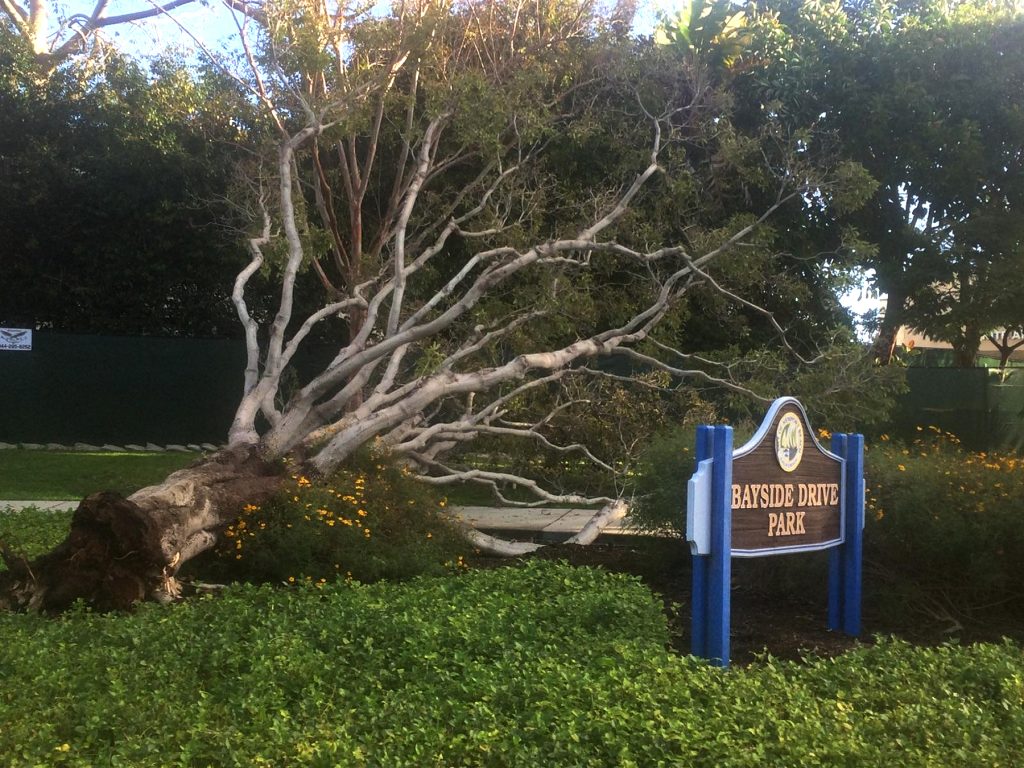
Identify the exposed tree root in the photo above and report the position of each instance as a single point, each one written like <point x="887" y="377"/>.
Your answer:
<point x="120" y="551"/>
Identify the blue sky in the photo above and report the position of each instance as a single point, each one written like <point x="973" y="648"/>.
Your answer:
<point x="212" y="25"/>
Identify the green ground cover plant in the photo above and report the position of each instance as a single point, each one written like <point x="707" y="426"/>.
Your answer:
<point x="543" y="664"/>
<point x="539" y="665"/>
<point x="33" y="532"/>
<point x="46" y="475"/>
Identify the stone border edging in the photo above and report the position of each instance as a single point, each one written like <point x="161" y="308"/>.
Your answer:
<point x="127" y="448"/>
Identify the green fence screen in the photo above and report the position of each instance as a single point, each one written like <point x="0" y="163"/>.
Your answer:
<point x="985" y="412"/>
<point x="111" y="389"/>
<point x="104" y="389"/>
<point x="116" y="389"/>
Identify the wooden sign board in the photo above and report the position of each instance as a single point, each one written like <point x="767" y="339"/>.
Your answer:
<point x="787" y="492"/>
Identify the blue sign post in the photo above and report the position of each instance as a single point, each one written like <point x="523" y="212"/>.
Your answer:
<point x="780" y="493"/>
<point x="845" y="562"/>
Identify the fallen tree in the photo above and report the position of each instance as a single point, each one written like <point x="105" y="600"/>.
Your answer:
<point x="410" y="173"/>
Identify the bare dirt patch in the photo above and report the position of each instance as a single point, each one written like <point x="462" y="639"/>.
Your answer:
<point x="779" y="605"/>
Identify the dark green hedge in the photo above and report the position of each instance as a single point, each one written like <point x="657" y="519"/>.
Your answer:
<point x="543" y="665"/>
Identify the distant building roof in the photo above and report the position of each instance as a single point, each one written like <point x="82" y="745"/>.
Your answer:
<point x="916" y="340"/>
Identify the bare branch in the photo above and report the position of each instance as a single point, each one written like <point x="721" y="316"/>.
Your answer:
<point x="695" y="373"/>
<point x="492" y="479"/>
<point x="470" y="346"/>
<point x="449" y="431"/>
<point x="426" y="154"/>
<point x="18" y="14"/>
<point x="610" y="513"/>
<point x="756" y="308"/>
<point x="158" y="9"/>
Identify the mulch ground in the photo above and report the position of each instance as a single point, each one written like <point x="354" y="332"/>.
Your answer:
<point x="776" y="607"/>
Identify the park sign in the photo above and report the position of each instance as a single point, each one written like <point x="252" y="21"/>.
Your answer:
<point x="16" y="339"/>
<point x="780" y="493"/>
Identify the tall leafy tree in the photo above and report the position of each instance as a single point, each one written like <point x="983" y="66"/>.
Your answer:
<point x="111" y="197"/>
<point x="927" y="97"/>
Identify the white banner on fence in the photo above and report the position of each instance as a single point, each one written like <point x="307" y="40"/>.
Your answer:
<point x="16" y="339"/>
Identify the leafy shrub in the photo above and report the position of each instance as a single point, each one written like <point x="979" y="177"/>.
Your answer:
<point x="659" y="488"/>
<point x="32" y="532"/>
<point x="370" y="521"/>
<point x="944" y="526"/>
<point x="540" y="665"/>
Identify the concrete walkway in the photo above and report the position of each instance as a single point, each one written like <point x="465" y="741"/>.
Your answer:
<point x="51" y="506"/>
<point x="534" y="524"/>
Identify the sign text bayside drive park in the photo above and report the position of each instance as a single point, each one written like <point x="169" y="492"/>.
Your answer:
<point x="786" y="489"/>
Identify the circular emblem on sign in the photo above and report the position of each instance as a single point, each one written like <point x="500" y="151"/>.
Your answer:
<point x="789" y="442"/>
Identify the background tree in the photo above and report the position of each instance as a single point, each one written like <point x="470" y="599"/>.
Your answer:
<point x="113" y="195"/>
<point x="926" y="97"/>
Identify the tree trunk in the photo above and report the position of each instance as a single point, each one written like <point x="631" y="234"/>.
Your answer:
<point x="885" y="342"/>
<point x="120" y="551"/>
<point x="966" y="346"/>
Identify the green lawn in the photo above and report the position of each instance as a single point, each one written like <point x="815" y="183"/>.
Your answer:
<point x="57" y="475"/>
<point x="46" y="475"/>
